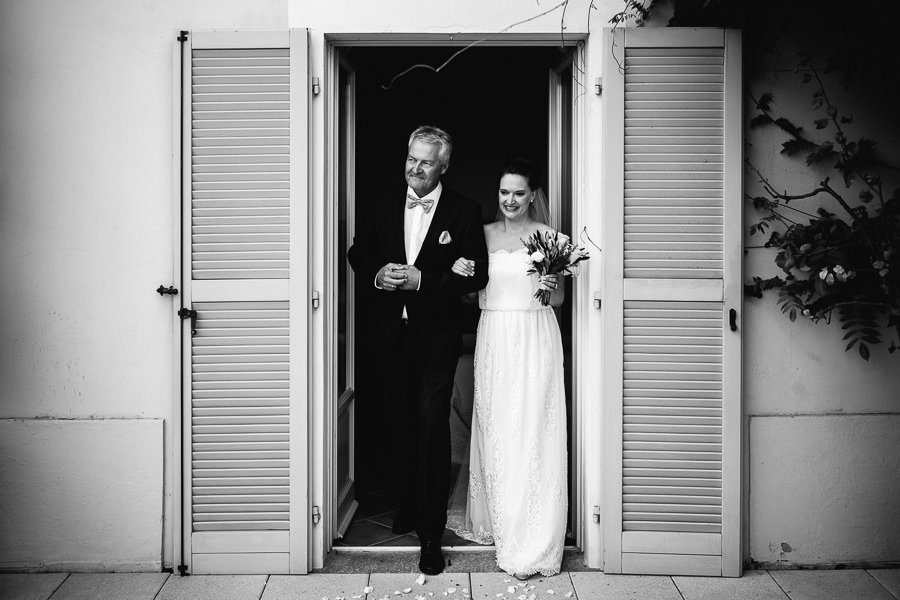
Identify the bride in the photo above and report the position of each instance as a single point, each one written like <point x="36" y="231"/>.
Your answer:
<point x="517" y="496"/>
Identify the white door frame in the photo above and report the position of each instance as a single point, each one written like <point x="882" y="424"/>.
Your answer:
<point x="323" y="64"/>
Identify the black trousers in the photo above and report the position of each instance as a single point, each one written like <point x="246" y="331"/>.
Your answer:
<point x="419" y="400"/>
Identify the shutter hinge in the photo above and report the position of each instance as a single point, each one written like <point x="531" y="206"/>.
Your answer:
<point x="183" y="35"/>
<point x="182" y="570"/>
<point x="598" y="301"/>
<point x="598" y="85"/>
<point x="315" y="299"/>
<point x="316" y="517"/>
<point x="163" y="290"/>
<point x="316" y="88"/>
<point x="596" y="514"/>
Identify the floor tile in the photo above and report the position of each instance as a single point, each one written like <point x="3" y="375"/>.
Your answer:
<point x="600" y="586"/>
<point x="889" y="578"/>
<point x="213" y="587"/>
<point x="501" y="586"/>
<point x="365" y="533"/>
<point x="29" y="586"/>
<point x="410" y="540"/>
<point x="433" y="587"/>
<point x="372" y="505"/>
<point x="831" y="585"/>
<point x="315" y="587"/>
<point x="111" y="586"/>
<point x="754" y="585"/>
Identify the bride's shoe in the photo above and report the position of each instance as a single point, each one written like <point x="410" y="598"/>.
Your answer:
<point x="522" y="576"/>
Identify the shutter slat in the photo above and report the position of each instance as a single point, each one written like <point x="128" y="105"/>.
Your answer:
<point x="240" y="415"/>
<point x="240" y="108"/>
<point x="673" y="105"/>
<point x="672" y="433"/>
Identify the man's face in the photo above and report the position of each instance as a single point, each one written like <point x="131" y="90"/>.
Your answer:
<point x="423" y="167"/>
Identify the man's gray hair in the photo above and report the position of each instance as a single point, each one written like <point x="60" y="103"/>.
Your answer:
<point x="434" y="135"/>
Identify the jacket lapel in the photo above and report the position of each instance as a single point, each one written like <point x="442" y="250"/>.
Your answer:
<point x="441" y="214"/>
<point x="396" y="214"/>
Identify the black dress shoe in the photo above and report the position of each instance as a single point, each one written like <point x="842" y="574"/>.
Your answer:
<point x="431" y="562"/>
<point x="403" y="522"/>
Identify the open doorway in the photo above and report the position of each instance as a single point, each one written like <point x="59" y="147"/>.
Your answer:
<point x="494" y="101"/>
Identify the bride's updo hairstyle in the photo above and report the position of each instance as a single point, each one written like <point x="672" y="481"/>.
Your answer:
<point x="525" y="166"/>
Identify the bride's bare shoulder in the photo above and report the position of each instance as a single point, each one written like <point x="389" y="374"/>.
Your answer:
<point x="490" y="230"/>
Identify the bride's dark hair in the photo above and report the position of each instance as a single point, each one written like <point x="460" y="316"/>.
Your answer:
<point x="524" y="166"/>
<point x="527" y="167"/>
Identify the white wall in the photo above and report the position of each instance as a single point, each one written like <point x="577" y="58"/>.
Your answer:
<point x="86" y="235"/>
<point x="442" y="17"/>
<point x="81" y="494"/>
<point x="824" y="425"/>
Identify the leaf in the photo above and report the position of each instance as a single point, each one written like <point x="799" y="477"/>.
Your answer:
<point x="760" y="119"/>
<point x="864" y="351"/>
<point x="764" y="101"/>
<point x="796" y="146"/>
<point x="821" y="153"/>
<point x="788" y="126"/>
<point x="821" y="123"/>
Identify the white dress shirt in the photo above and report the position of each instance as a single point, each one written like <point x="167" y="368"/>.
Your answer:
<point x="416" y="223"/>
<point x="415" y="227"/>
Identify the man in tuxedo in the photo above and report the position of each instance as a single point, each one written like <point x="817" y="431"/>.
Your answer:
<point x="402" y="254"/>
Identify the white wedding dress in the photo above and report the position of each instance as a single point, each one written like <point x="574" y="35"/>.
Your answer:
<point x="517" y="496"/>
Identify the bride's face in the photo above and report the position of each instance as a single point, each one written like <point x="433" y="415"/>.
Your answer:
<point x="514" y="195"/>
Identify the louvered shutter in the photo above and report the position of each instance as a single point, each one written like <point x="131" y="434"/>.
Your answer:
<point x="672" y="391"/>
<point x="244" y="264"/>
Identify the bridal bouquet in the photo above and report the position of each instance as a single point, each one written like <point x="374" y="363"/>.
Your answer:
<point x="552" y="253"/>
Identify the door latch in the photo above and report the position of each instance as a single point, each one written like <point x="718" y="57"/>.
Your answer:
<point x="163" y="290"/>
<point x="189" y="313"/>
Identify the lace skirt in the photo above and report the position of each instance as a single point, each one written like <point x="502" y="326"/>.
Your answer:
<point x="517" y="487"/>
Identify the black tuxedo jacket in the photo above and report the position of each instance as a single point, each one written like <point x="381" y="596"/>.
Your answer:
<point x="434" y="311"/>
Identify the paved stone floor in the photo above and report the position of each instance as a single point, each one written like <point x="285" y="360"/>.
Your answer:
<point x="850" y="584"/>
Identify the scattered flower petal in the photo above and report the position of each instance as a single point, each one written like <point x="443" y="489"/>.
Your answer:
<point x="551" y="592"/>
<point x="420" y="579"/>
<point x="407" y="590"/>
<point x="568" y="594"/>
<point x="511" y="590"/>
<point x="368" y="589"/>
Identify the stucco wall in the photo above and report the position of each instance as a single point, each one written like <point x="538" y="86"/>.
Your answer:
<point x="83" y="494"/>
<point x="86" y="234"/>
<point x="824" y="425"/>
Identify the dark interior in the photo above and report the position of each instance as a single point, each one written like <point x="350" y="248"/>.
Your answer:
<point x="494" y="101"/>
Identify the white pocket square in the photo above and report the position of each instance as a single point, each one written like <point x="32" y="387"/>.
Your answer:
<point x="445" y="238"/>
